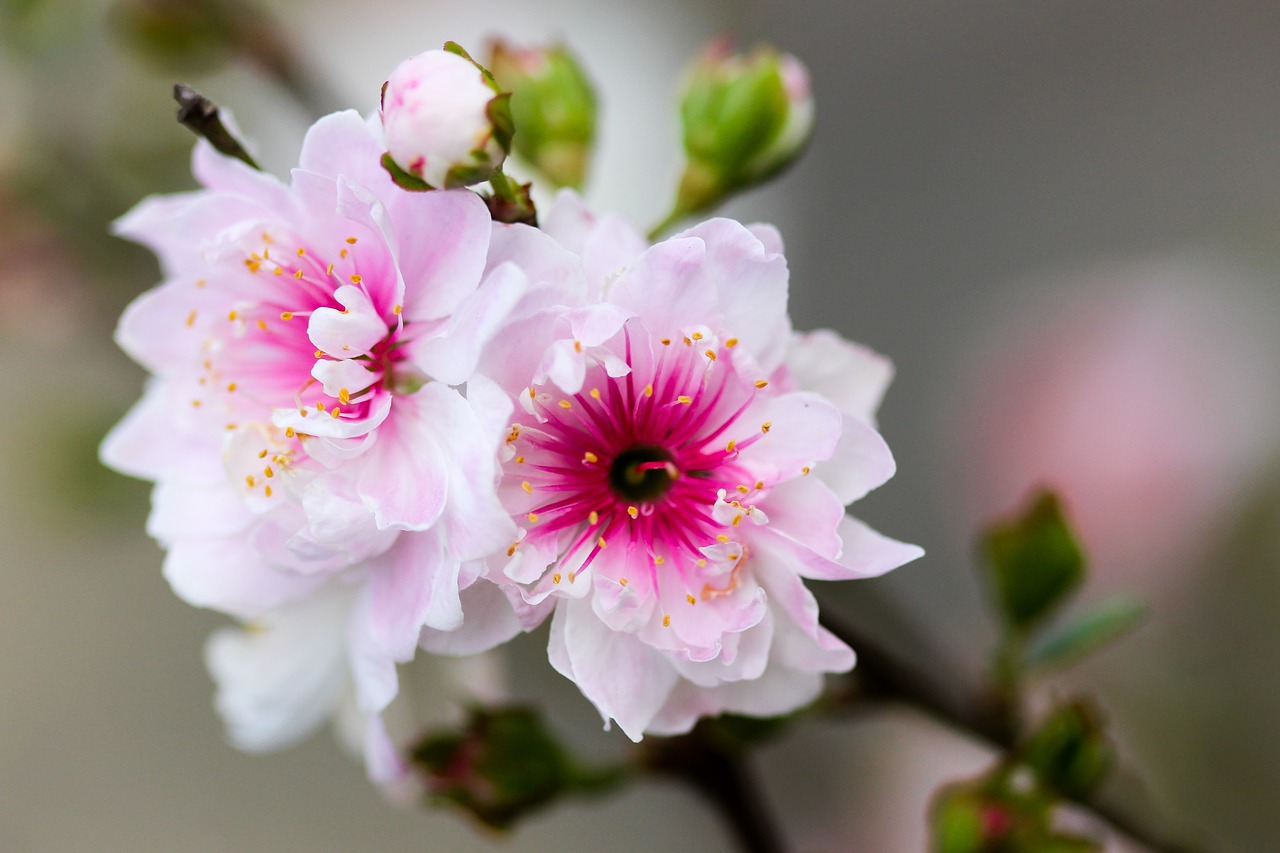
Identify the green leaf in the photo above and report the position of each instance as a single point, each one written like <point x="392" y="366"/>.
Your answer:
<point x="1086" y="633"/>
<point x="1069" y="752"/>
<point x="1034" y="563"/>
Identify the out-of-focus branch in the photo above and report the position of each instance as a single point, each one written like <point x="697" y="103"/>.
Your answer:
<point x="880" y="676"/>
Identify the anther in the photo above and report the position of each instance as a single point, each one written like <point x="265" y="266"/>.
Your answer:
<point x="731" y="343"/>
<point x="231" y="386"/>
<point x="632" y="511"/>
<point x="594" y="393"/>
<point x="351" y="241"/>
<point x="710" y="354"/>
<point x="697" y="336"/>
<point x="396" y="310"/>
<point x="298" y="275"/>
<point x="533" y="518"/>
<point x="191" y="319"/>
<point x="603" y="544"/>
<point x="565" y="404"/>
<point x="684" y="399"/>
<point x="622" y="581"/>
<point x="648" y="390"/>
<point x="766" y="426"/>
<point x="577" y="346"/>
<point x="731" y="446"/>
<point x="286" y="315"/>
<point x="666" y="621"/>
<point x="344" y="395"/>
<point x="356" y="279"/>
<point x="590" y="457"/>
<point x="593" y="518"/>
<point x="528" y="488"/>
<point x="555" y="578"/>
<point x="266" y="490"/>
<point x="268" y="471"/>
<point x="666" y="342"/>
<point x="690" y="599"/>
<point x="760" y="383"/>
<point x="328" y="270"/>
<point x="262" y="454"/>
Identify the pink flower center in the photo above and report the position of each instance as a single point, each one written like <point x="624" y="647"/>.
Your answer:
<point x="641" y="461"/>
<point x="308" y="328"/>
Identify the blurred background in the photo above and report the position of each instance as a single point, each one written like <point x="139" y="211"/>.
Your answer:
<point x="1059" y="219"/>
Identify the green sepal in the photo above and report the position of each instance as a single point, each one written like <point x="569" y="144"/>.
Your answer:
<point x="1069" y="752"/>
<point x="504" y="127"/>
<point x="1033" y="563"/>
<point x="502" y="765"/>
<point x="403" y="179"/>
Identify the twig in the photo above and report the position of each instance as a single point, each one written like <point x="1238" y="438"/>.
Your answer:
<point x="724" y="778"/>
<point x="882" y="677"/>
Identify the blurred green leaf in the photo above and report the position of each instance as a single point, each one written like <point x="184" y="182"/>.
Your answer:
<point x="502" y="765"/>
<point x="1086" y="633"/>
<point x="1033" y="562"/>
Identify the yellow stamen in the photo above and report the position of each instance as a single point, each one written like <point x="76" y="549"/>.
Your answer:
<point x="603" y="544"/>
<point x="565" y="404"/>
<point x="684" y="399"/>
<point x="595" y="393"/>
<point x="666" y="342"/>
<point x="268" y="471"/>
<point x="533" y="518"/>
<point x="710" y="354"/>
<point x="633" y="512"/>
<point x="191" y="319"/>
<point x="731" y="446"/>
<point x="344" y="395"/>
<point x="286" y="315"/>
<point x="697" y="336"/>
<point x="590" y="457"/>
<point x="577" y="346"/>
<point x="760" y="383"/>
<point x="731" y="343"/>
<point x="666" y="621"/>
<point x="231" y="386"/>
<point x="766" y="426"/>
<point x="648" y="390"/>
<point x="593" y="518"/>
<point x="722" y="538"/>
<point x="266" y="490"/>
<point x="622" y="581"/>
<point x="356" y="279"/>
<point x="396" y="310"/>
<point x="690" y="599"/>
<point x="351" y="241"/>
<point x="555" y="578"/>
<point x="528" y="488"/>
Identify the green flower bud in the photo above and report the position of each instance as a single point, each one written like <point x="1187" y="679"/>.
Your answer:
<point x="745" y="118"/>
<point x="553" y="105"/>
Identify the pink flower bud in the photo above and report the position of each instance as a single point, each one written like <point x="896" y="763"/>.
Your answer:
<point x="441" y="115"/>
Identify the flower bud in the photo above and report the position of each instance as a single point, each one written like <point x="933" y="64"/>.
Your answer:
<point x="444" y="121"/>
<point x="745" y="117"/>
<point x="554" y="106"/>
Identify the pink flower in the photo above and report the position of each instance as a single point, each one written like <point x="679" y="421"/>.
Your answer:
<point x="659" y="469"/>
<point x="303" y="423"/>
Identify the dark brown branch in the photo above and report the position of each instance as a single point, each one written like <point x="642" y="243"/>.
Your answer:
<point x="880" y="676"/>
<point x="723" y="778"/>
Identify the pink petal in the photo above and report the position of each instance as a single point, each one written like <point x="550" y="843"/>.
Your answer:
<point x="625" y="679"/>
<point x="852" y="376"/>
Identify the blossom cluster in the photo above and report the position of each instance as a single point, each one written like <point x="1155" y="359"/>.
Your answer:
<point x="382" y="424"/>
